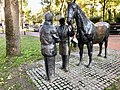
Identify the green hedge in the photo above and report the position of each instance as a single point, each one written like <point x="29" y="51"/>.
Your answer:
<point x="117" y="19"/>
<point x="95" y="19"/>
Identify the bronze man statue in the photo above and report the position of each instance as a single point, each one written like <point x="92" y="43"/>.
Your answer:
<point x="48" y="40"/>
<point x="64" y="49"/>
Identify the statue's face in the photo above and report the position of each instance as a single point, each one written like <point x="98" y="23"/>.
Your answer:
<point x="71" y="10"/>
<point x="48" y="16"/>
<point x="62" y="21"/>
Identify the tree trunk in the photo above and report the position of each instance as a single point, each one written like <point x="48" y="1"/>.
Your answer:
<point x="21" y="14"/>
<point x="114" y="11"/>
<point x="61" y="8"/>
<point x="12" y="28"/>
<point x="104" y="10"/>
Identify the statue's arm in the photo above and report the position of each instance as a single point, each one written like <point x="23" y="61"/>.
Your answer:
<point x="55" y="34"/>
<point x="70" y="31"/>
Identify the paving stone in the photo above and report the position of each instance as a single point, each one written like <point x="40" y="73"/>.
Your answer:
<point x="102" y="74"/>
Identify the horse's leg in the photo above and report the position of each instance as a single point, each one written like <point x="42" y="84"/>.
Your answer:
<point x="90" y="50"/>
<point x="100" y="48"/>
<point x="81" y="53"/>
<point x="106" y="44"/>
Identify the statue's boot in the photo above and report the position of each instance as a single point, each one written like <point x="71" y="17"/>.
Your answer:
<point x="50" y="67"/>
<point x="65" y="62"/>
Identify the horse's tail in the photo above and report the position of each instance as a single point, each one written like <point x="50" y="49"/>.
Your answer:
<point x="107" y="29"/>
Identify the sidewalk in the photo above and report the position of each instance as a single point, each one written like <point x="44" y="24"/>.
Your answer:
<point x="113" y="40"/>
<point x="22" y="33"/>
<point x="2" y="35"/>
<point x="31" y="33"/>
<point x="101" y="75"/>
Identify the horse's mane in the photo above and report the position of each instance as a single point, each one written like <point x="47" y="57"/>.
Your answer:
<point x="88" y="26"/>
<point x="82" y="14"/>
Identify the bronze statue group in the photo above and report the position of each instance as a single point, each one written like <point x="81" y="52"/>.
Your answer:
<point x="49" y="36"/>
<point x="87" y="33"/>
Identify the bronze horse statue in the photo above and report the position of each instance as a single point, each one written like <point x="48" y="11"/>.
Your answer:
<point x="87" y="32"/>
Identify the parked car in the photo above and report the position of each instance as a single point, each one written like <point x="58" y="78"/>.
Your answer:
<point x="36" y="28"/>
<point x="26" y="25"/>
<point x="115" y="28"/>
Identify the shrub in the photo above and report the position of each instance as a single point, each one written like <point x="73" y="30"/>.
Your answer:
<point x="95" y="19"/>
<point x="107" y="20"/>
<point x="117" y="19"/>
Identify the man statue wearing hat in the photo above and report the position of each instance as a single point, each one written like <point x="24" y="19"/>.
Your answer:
<point x="48" y="39"/>
<point x="64" y="50"/>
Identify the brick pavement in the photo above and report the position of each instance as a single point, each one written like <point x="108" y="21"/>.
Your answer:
<point x="102" y="73"/>
<point x="114" y="42"/>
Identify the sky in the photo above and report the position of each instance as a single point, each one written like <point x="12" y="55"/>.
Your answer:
<point x="34" y="5"/>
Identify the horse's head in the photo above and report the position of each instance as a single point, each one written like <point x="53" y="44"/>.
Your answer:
<point x="71" y="12"/>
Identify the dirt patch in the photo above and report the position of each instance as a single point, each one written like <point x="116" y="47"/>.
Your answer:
<point x="18" y="80"/>
<point x="114" y="86"/>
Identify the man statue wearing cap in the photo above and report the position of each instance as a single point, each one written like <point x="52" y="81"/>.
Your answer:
<point x="48" y="38"/>
<point x="64" y="50"/>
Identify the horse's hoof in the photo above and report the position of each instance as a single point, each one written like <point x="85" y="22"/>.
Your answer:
<point x="79" y="64"/>
<point x="99" y="55"/>
<point x="87" y="66"/>
<point x="105" y="57"/>
<point x="65" y="70"/>
<point x="47" y="79"/>
<point x="61" y="68"/>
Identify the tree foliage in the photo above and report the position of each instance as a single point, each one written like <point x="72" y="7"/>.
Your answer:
<point x="117" y="19"/>
<point x="108" y="4"/>
<point x="95" y="19"/>
<point x="58" y="8"/>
